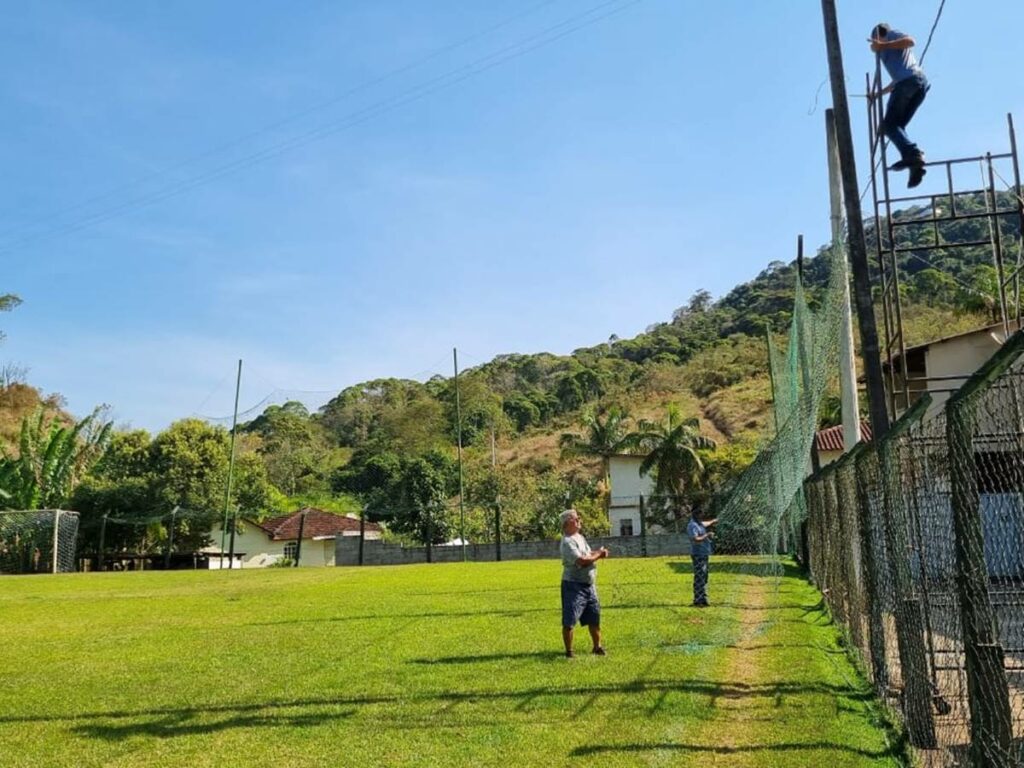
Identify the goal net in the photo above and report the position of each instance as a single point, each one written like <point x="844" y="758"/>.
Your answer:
<point x="38" y="541"/>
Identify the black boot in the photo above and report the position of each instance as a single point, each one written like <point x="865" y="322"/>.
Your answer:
<point x="908" y="162"/>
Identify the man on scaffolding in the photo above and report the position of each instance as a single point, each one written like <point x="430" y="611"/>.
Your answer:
<point x="908" y="88"/>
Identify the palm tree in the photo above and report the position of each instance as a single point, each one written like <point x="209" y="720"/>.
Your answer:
<point x="673" y="454"/>
<point x="605" y="436"/>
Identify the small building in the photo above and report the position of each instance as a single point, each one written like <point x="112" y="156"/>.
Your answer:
<point x="269" y="541"/>
<point x="627" y="486"/>
<point x="942" y="366"/>
<point x="828" y="443"/>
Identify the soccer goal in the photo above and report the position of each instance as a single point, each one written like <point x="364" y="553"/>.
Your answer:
<point x="38" y="541"/>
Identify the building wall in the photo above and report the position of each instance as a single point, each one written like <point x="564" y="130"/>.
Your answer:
<point x="958" y="357"/>
<point x="826" y="457"/>
<point x="627" y="485"/>
<point x="261" y="552"/>
<point x="379" y="553"/>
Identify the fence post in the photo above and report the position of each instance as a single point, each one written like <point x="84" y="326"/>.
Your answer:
<point x="103" y="535"/>
<point x="643" y="528"/>
<point x="430" y="532"/>
<point x="987" y="689"/>
<point x="847" y="496"/>
<point x="362" y="534"/>
<point x="170" y="540"/>
<point x="298" y="546"/>
<point x="497" y="529"/>
<point x="56" y="539"/>
<point x="917" y="698"/>
<point x="872" y="560"/>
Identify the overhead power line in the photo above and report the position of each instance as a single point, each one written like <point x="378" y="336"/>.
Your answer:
<point x="935" y="23"/>
<point x="232" y="143"/>
<point x="447" y="80"/>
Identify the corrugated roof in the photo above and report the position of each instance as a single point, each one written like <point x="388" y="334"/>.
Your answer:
<point x="831" y="439"/>
<point x="318" y="524"/>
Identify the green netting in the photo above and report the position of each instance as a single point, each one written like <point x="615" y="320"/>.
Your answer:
<point x="766" y="502"/>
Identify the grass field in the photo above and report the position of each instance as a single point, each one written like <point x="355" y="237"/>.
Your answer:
<point x="445" y="665"/>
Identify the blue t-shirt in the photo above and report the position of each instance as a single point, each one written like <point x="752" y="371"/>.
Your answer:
<point x="900" y="64"/>
<point x="698" y="548"/>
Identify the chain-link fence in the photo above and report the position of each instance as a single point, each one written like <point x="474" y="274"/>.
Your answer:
<point x="917" y="543"/>
<point x="38" y="541"/>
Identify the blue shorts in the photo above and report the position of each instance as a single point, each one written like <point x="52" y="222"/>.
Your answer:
<point x="580" y="604"/>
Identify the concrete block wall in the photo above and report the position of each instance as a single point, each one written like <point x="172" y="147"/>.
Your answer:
<point x="379" y="553"/>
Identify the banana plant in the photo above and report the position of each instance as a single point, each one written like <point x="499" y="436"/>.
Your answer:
<point x="52" y="458"/>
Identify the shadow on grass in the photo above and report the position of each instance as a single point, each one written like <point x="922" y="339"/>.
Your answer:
<point x="186" y="723"/>
<point x="766" y="569"/>
<point x="517" y="613"/>
<point x="607" y="749"/>
<point x="262" y="712"/>
<point x="487" y="657"/>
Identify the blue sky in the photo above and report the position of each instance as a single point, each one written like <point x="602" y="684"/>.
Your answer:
<point x="584" y="188"/>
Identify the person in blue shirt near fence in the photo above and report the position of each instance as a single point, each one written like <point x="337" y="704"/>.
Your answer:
<point x="700" y="552"/>
<point x="909" y="86"/>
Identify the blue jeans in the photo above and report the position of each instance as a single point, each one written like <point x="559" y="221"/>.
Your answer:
<point x="700" y="578"/>
<point x="904" y="100"/>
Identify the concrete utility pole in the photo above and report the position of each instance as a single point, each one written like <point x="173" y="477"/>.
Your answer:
<point x="855" y="226"/>
<point x="848" y="367"/>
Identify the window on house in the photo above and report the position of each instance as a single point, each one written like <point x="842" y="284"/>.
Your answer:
<point x="626" y="527"/>
<point x="291" y="549"/>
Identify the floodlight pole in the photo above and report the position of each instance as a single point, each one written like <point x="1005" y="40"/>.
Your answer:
<point x="458" y="431"/>
<point x="231" y="469"/>
<point x="855" y="225"/>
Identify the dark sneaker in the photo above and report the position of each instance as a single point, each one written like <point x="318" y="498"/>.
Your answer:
<point x="916" y="176"/>
<point x="600" y="651"/>
<point x="569" y="654"/>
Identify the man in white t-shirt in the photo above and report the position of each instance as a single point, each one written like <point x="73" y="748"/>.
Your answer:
<point x="579" y="596"/>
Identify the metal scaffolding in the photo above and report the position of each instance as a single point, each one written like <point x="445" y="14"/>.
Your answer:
<point x="945" y="207"/>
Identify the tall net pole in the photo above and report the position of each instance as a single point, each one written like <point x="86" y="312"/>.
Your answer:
<point x="458" y="433"/>
<point x="231" y="470"/>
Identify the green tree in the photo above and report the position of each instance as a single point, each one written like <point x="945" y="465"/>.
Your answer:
<point x="293" y="447"/>
<point x="190" y="466"/>
<point x="8" y="301"/>
<point x="674" y="456"/>
<point x="605" y="435"/>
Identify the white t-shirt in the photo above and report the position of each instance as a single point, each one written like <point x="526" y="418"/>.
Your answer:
<point x="572" y="548"/>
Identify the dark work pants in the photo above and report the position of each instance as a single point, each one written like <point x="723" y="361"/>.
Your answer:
<point x="700" y="578"/>
<point x="904" y="100"/>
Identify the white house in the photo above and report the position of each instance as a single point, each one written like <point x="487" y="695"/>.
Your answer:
<point x="627" y="486"/>
<point x="944" y="365"/>
<point x="941" y="367"/>
<point x="259" y="544"/>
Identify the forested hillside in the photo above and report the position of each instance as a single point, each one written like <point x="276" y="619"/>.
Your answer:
<point x="535" y="427"/>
